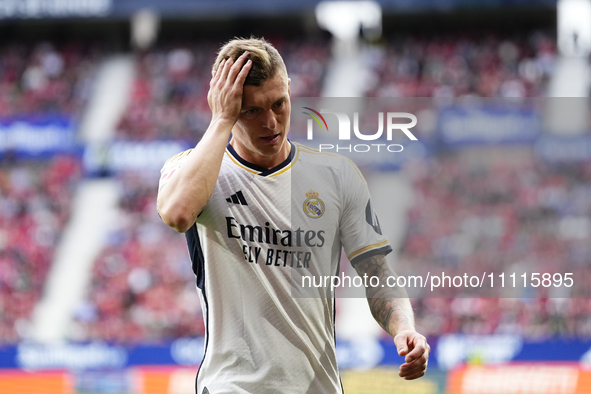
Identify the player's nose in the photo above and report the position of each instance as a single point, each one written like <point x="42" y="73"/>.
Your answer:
<point x="270" y="121"/>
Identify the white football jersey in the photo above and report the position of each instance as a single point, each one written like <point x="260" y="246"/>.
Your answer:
<point x="262" y="232"/>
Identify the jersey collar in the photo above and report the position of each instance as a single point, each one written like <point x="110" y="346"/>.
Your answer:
<point x="258" y="170"/>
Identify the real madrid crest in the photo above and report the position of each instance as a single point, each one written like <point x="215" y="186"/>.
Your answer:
<point x="313" y="206"/>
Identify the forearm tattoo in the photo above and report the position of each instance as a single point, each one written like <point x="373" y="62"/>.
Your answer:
<point x="389" y="305"/>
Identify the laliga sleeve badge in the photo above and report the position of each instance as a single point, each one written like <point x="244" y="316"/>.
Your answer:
<point x="313" y="206"/>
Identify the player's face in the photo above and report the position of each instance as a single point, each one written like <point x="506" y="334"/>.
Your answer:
<point x="259" y="136"/>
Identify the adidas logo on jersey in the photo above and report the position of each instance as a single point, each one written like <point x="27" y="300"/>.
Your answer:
<point x="237" y="198"/>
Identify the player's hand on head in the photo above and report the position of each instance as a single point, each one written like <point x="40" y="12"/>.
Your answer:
<point x="415" y="349"/>
<point x="226" y="87"/>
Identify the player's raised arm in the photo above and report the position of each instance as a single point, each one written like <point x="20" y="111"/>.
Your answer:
<point x="185" y="191"/>
<point x="392" y="310"/>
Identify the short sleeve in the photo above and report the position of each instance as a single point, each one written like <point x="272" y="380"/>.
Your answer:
<point x="171" y="166"/>
<point x="361" y="234"/>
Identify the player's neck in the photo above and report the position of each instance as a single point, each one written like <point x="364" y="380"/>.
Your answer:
<point x="267" y="162"/>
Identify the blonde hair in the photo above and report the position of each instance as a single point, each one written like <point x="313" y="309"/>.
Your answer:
<point x="266" y="60"/>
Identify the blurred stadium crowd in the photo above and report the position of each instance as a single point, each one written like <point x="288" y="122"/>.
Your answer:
<point x="455" y="65"/>
<point x="501" y="218"/>
<point x="35" y="204"/>
<point x="466" y="218"/>
<point x="44" y="78"/>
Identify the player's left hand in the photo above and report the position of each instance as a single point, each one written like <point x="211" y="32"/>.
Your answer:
<point x="415" y="348"/>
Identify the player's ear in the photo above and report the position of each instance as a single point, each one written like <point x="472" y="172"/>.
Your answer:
<point x="288" y="86"/>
